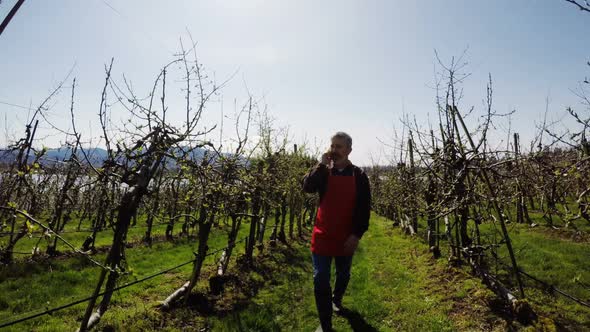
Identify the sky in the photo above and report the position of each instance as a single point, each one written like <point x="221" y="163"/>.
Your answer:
<point x="317" y="66"/>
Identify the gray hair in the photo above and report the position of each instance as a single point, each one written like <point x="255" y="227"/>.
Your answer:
<point x="344" y="136"/>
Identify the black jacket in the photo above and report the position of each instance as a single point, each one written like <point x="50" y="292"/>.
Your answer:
<point x="317" y="180"/>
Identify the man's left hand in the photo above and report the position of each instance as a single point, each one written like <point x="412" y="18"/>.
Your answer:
<point x="351" y="244"/>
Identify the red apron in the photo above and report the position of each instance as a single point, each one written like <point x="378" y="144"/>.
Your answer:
<point x="333" y="224"/>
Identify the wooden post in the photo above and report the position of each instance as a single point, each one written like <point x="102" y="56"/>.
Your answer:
<point x="412" y="174"/>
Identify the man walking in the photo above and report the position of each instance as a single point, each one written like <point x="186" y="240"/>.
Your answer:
<point x="341" y="221"/>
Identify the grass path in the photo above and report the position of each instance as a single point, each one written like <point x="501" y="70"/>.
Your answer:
<point x="395" y="286"/>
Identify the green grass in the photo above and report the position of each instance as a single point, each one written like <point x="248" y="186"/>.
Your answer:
<point x="61" y="281"/>
<point x="395" y="286"/>
<point x="559" y="262"/>
<point x="24" y="246"/>
<point x="556" y="256"/>
<point x="31" y="287"/>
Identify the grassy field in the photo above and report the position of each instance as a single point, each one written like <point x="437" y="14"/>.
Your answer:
<point x="395" y="286"/>
<point x="105" y="237"/>
<point x="389" y="291"/>
<point x="559" y="258"/>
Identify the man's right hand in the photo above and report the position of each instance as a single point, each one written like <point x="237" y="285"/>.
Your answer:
<point x="326" y="158"/>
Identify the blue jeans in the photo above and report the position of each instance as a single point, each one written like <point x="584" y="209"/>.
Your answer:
<point x="321" y="284"/>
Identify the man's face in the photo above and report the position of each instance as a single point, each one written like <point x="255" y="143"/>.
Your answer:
<point x="339" y="149"/>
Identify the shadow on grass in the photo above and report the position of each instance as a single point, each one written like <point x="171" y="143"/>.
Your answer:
<point x="356" y="321"/>
<point x="234" y="291"/>
<point x="228" y="303"/>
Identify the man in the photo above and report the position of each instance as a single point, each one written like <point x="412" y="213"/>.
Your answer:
<point x="341" y="221"/>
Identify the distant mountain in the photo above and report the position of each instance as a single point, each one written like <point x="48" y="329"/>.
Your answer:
<point x="96" y="156"/>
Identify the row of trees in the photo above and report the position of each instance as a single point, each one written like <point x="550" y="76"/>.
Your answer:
<point x="157" y="171"/>
<point x="450" y="176"/>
